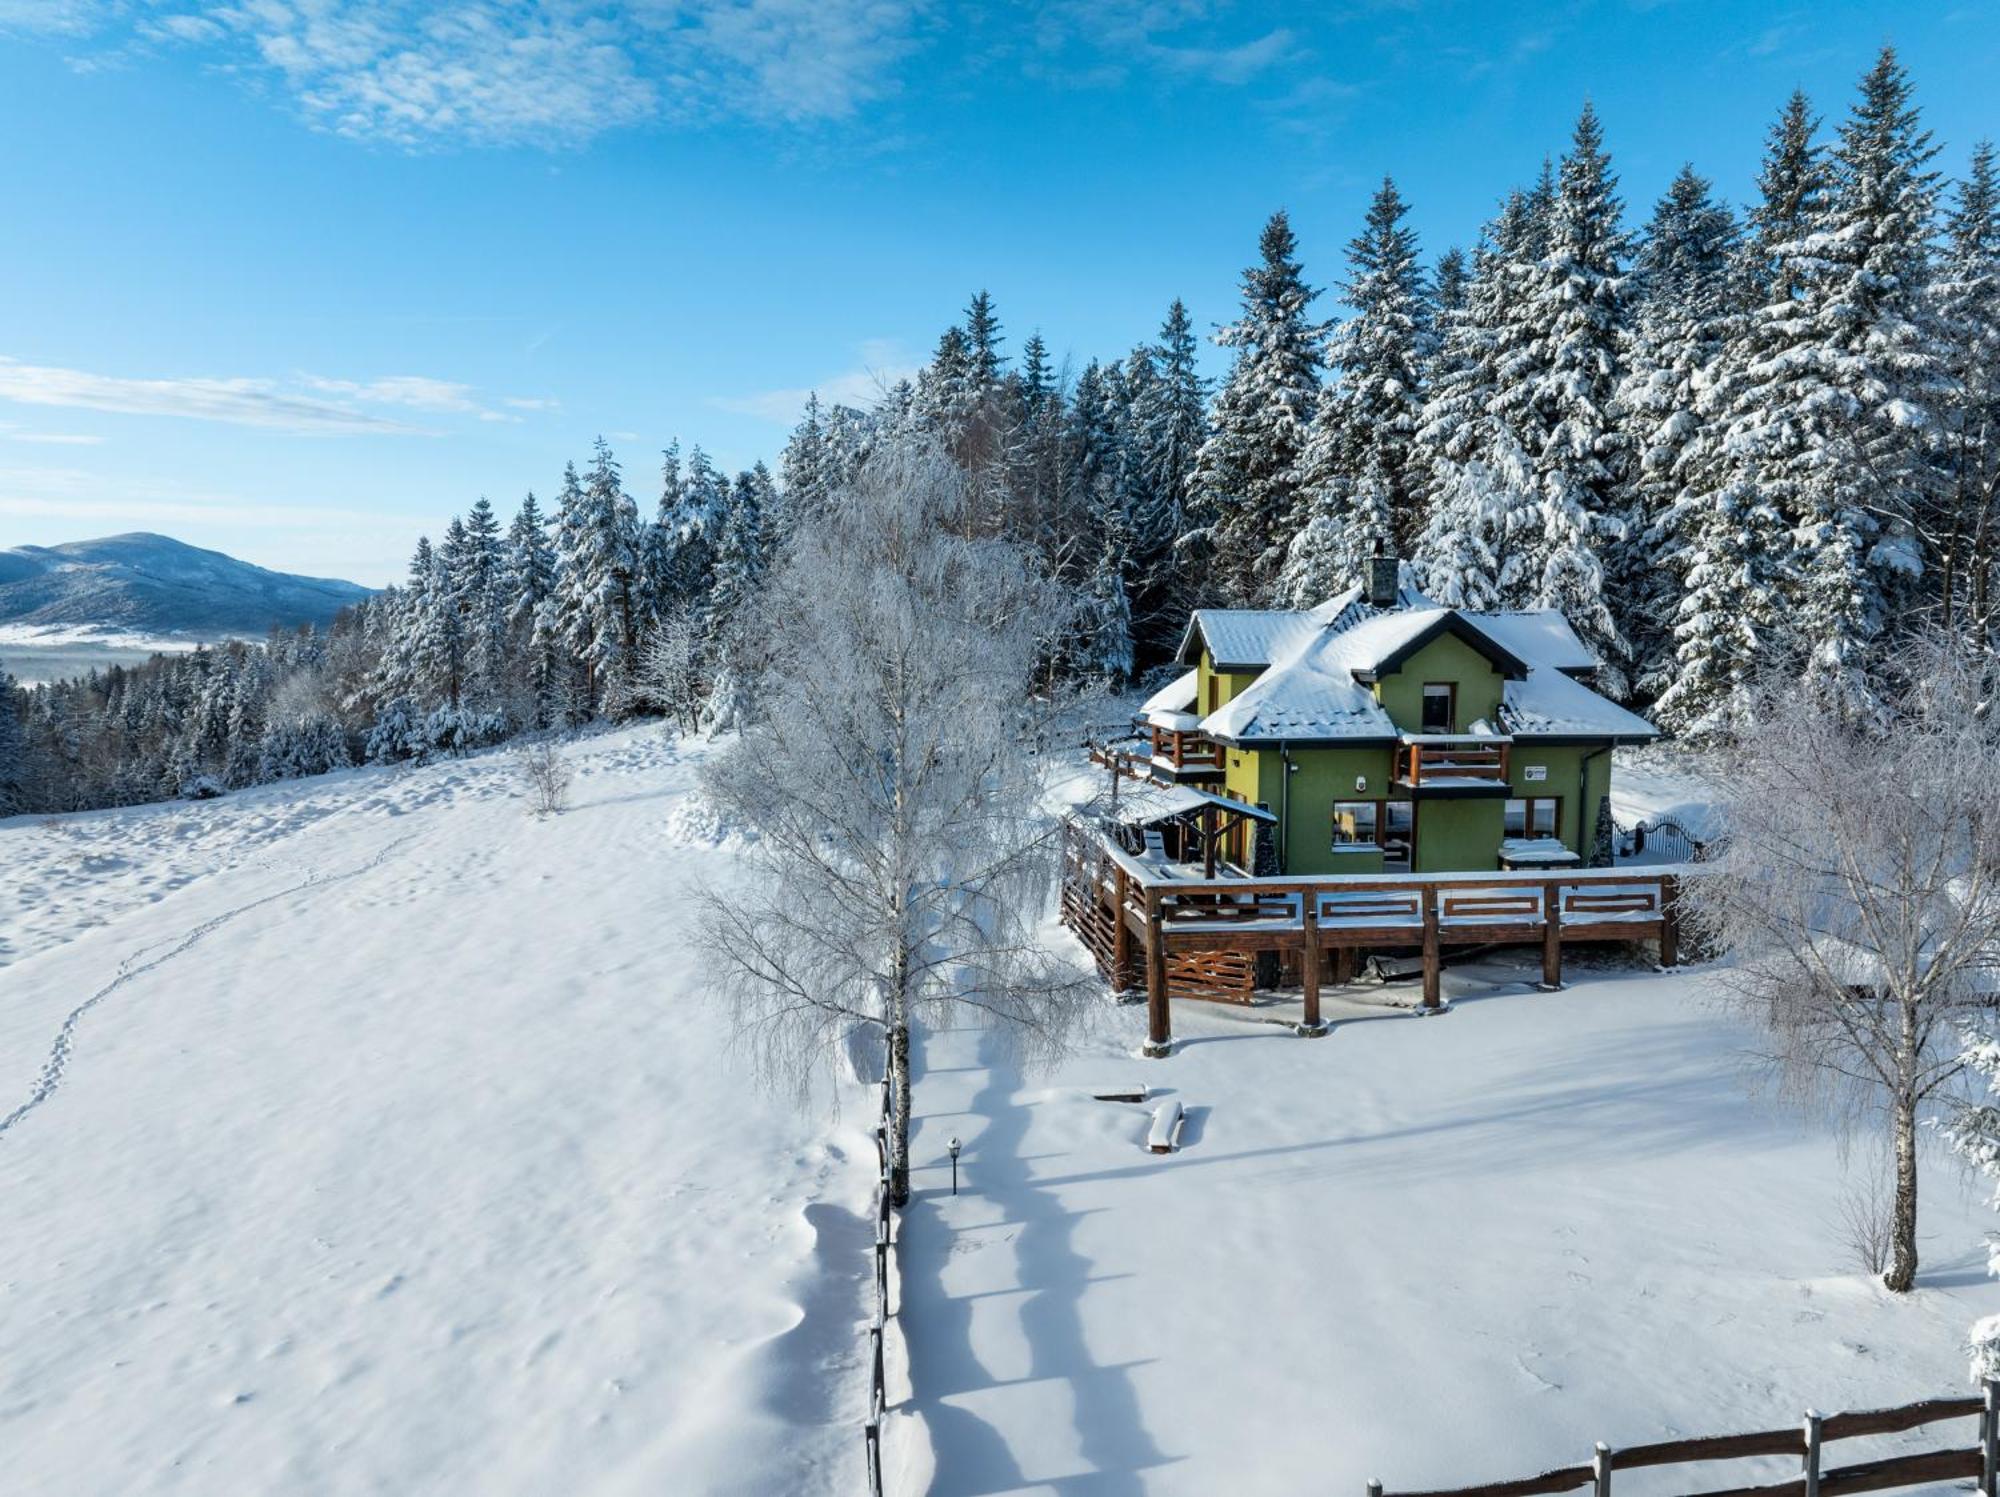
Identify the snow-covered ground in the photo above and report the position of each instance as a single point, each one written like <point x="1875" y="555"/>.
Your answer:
<point x="370" y="1135"/>
<point x="1432" y="1250"/>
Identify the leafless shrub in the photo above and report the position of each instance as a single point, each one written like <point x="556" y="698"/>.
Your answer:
<point x="1866" y="1222"/>
<point x="545" y="774"/>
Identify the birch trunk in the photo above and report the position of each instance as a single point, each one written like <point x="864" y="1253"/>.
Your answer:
<point x="1902" y="1274"/>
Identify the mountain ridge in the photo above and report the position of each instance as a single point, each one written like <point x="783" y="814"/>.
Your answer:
<point x="140" y="582"/>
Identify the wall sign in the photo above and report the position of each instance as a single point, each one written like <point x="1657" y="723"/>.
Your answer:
<point x="1535" y="772"/>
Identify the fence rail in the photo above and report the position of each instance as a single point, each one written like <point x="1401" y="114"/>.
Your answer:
<point x="1806" y="1441"/>
<point x="885" y="1244"/>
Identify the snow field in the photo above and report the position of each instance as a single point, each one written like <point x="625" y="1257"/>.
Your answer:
<point x="1432" y="1250"/>
<point x="402" y="1152"/>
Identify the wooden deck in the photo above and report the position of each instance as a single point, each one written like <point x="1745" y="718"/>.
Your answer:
<point x="1201" y="938"/>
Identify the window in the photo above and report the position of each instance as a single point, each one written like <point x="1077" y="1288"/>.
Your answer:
<point x="1354" y="823"/>
<point x="1440" y="706"/>
<point x="1539" y="817"/>
<point x="1214" y="692"/>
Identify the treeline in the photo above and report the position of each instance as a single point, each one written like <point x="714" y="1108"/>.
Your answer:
<point x="1724" y="444"/>
<point x="1727" y="443"/>
<point x="585" y="613"/>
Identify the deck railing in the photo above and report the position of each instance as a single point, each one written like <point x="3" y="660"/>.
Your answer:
<point x="1185" y="750"/>
<point x="1138" y="915"/>
<point x="1438" y="758"/>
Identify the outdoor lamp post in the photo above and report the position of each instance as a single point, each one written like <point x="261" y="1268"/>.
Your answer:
<point x="952" y="1149"/>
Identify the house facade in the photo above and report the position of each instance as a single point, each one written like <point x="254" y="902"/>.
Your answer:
<point x="1388" y="734"/>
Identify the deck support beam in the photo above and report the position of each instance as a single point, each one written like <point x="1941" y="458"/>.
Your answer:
<point x="1310" y="962"/>
<point x="1159" y="1023"/>
<point x="1432" y="997"/>
<point x="1121" y="934"/>
<point x="1670" y="922"/>
<point x="1552" y="950"/>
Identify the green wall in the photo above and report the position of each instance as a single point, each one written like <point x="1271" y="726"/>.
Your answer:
<point x="1564" y="763"/>
<point x="1446" y="658"/>
<point x="1458" y="836"/>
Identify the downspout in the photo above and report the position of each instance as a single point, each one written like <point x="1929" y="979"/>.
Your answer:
<point x="1285" y="809"/>
<point x="1583" y="794"/>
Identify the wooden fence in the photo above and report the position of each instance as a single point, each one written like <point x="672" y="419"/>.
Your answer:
<point x="1807" y="1442"/>
<point x="1140" y="917"/>
<point x="885" y="1243"/>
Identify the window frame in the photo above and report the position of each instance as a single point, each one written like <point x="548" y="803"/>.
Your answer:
<point x="1450" y="690"/>
<point x="1529" y="821"/>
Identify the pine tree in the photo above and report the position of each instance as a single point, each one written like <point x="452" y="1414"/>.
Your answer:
<point x="1565" y="410"/>
<point x="808" y="469"/>
<point x="13" y="749"/>
<point x="1967" y="295"/>
<point x="1743" y="490"/>
<point x="1863" y="481"/>
<point x="598" y="564"/>
<point x="1359" y="478"/>
<point x="983" y="340"/>
<point x="1685" y="273"/>
<point x="1247" y="472"/>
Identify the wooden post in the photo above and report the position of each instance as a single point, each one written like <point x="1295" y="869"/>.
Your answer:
<point x="1600" y="1470"/>
<point x="1121" y="933"/>
<point x="1812" y="1453"/>
<point x="1309" y="965"/>
<point x="1343" y="965"/>
<point x="1159" y="1026"/>
<point x="1552" y="939"/>
<point x="1374" y="1489"/>
<point x="1208" y="840"/>
<point x="1989" y="1441"/>
<point x="1670" y="924"/>
<point x="1432" y="999"/>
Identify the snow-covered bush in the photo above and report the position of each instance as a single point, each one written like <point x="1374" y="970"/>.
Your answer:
<point x="302" y="746"/>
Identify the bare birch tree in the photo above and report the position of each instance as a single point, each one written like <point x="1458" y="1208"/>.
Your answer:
<point x="903" y="858"/>
<point x="1856" y="900"/>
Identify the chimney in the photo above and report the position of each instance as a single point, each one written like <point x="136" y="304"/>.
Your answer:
<point x="1382" y="575"/>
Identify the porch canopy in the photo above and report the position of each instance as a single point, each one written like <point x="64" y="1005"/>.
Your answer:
<point x="1147" y="804"/>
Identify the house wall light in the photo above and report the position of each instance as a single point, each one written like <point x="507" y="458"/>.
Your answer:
<point x="1360" y="783"/>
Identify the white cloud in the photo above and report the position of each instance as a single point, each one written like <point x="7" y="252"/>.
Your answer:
<point x="883" y="362"/>
<point x="547" y="72"/>
<point x="1170" y="37"/>
<point x="240" y="402"/>
<point x="310" y="404"/>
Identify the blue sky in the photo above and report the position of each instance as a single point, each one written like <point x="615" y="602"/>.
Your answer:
<point x="299" y="278"/>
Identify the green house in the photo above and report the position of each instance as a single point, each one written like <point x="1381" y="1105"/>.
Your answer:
<point x="1389" y="734"/>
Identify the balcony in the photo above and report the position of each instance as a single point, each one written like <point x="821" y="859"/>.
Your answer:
<point x="1467" y="764"/>
<point x="1184" y="754"/>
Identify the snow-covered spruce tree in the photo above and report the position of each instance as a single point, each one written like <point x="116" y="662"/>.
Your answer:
<point x="1741" y="471"/>
<point x="1480" y="500"/>
<point x="807" y="467"/>
<point x="903" y="858"/>
<point x="529" y="582"/>
<point x="596" y="598"/>
<point x="1246" y="474"/>
<point x="1685" y="272"/>
<point x="13" y="749"/>
<point x="1858" y="941"/>
<point x="478" y="582"/>
<point x="1368" y="426"/>
<point x="1972" y="1128"/>
<point x="1563" y="409"/>
<point x="1863" y="399"/>
<point x="1967" y="297"/>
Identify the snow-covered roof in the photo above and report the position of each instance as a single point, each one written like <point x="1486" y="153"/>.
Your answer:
<point x="1550" y="704"/>
<point x="1260" y="636"/>
<point x="1144" y="804"/>
<point x="1172" y="705"/>
<point x="1309" y="692"/>
<point x="1542" y="637"/>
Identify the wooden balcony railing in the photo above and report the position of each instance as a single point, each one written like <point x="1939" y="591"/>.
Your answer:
<point x="1186" y="750"/>
<point x="1455" y="760"/>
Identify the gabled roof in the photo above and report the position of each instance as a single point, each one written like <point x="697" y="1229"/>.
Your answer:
<point x="1252" y="638"/>
<point x="1460" y="626"/>
<point x="1316" y="684"/>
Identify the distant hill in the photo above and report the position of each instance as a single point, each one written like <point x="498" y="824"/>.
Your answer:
<point x="155" y="586"/>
